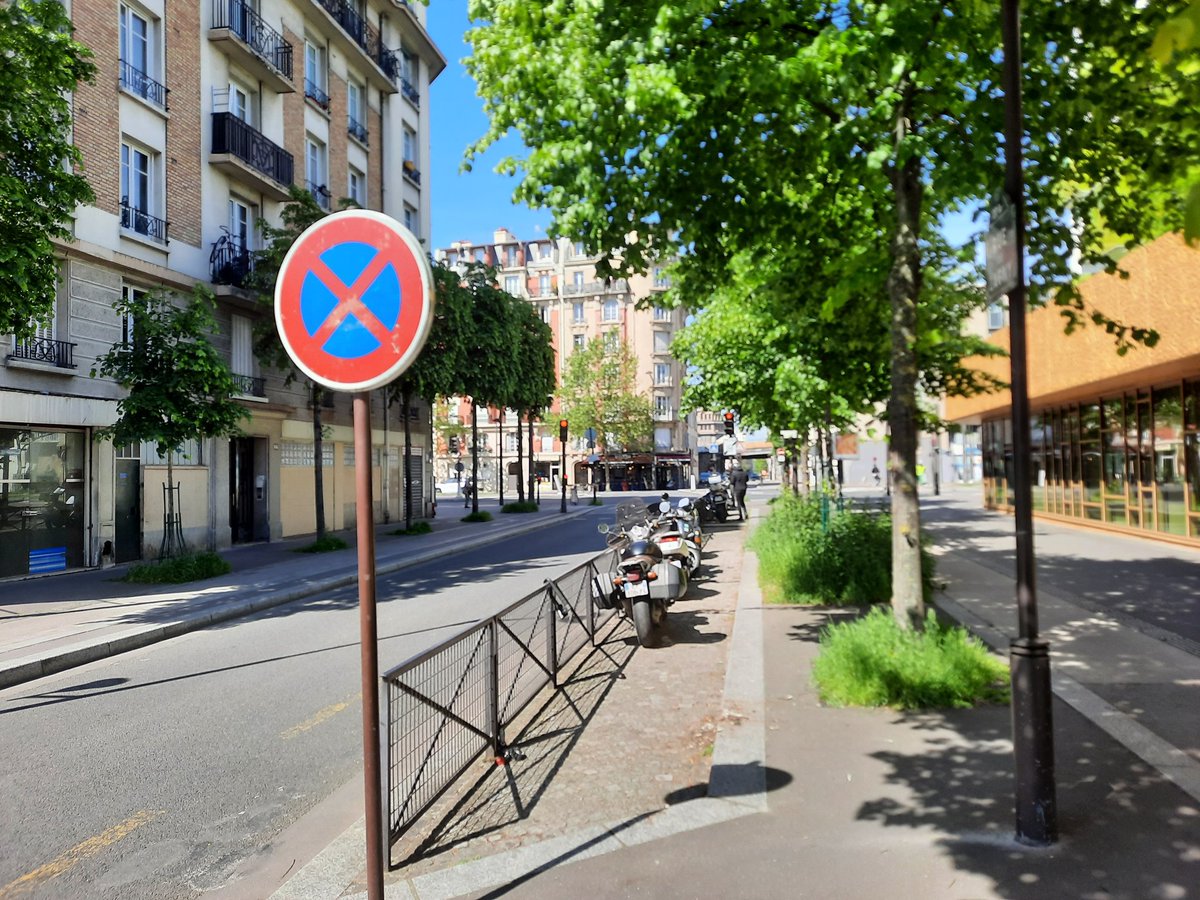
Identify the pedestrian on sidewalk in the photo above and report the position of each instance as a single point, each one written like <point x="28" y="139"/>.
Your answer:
<point x="739" y="481"/>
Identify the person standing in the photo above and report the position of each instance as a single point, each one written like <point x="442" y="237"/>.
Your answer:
<point x="738" y="482"/>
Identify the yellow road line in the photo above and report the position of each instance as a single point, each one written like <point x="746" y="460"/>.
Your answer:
<point x="76" y="854"/>
<point x="316" y="718"/>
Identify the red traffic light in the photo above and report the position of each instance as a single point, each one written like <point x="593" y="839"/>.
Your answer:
<point x="562" y="429"/>
<point x="729" y="423"/>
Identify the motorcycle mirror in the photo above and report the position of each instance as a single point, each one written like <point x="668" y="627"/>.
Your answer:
<point x="665" y="506"/>
<point x="603" y="528"/>
<point x="685" y="503"/>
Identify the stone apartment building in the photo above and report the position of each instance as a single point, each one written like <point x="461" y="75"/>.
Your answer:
<point x="559" y="278"/>
<point x="200" y="117"/>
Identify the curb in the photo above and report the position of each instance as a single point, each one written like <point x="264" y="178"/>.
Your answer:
<point x="34" y="667"/>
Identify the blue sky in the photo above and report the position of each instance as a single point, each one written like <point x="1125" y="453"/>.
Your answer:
<point x="466" y="206"/>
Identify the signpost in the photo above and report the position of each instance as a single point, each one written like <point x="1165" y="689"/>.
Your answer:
<point x="590" y="435"/>
<point x="353" y="305"/>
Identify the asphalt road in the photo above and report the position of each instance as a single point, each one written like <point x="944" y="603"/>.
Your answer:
<point x="156" y="773"/>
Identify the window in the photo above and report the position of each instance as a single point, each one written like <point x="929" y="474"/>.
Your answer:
<point x="241" y="102"/>
<point x="241" y="224"/>
<point x="544" y="311"/>
<point x="315" y="157"/>
<point x="241" y="349"/>
<point x="408" y="67"/>
<point x="996" y="316"/>
<point x="357" y="188"/>
<point x="410" y="219"/>
<point x="662" y="342"/>
<point x="577" y="313"/>
<point x="577" y="280"/>
<point x="410" y="145"/>
<point x="510" y="256"/>
<point x="660" y="279"/>
<point x="130" y="294"/>
<point x="612" y="340"/>
<point x="610" y="310"/>
<point x="314" y="74"/>
<point x="578" y="249"/>
<point x="139" y="193"/>
<point x="543" y="285"/>
<point x="512" y="284"/>
<point x="662" y="405"/>
<point x="661" y="314"/>
<point x="356" y="111"/>
<point x="662" y="373"/>
<point x="579" y="341"/>
<point x="139" y="58"/>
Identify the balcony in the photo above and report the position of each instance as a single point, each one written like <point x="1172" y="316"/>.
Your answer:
<point x="249" y="386"/>
<point x="664" y="414"/>
<point x="252" y="43"/>
<point x="356" y="32"/>
<point x="314" y="93"/>
<point x="59" y="354"/>
<point x="229" y="262"/>
<point x="619" y="286"/>
<point x="142" y="85"/>
<point x="249" y="156"/>
<point x="142" y="223"/>
<point x="411" y="172"/>
<point x="357" y="130"/>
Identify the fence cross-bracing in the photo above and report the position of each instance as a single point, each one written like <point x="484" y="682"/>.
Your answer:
<point x="449" y="704"/>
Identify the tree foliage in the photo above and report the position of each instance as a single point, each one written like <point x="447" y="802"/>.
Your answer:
<point x="599" y="390"/>
<point x="40" y="185"/>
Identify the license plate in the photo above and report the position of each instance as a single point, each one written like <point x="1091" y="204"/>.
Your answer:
<point x="637" y="589"/>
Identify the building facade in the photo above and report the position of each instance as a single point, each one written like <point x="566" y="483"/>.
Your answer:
<point x="199" y="120"/>
<point x="559" y="278"/>
<point x="1115" y="439"/>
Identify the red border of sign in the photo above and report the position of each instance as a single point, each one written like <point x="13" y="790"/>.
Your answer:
<point x="396" y="245"/>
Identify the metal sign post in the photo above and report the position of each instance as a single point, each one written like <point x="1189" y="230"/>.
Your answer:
<point x="353" y="306"/>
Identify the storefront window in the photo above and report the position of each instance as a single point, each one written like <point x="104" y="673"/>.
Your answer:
<point x="1168" y="460"/>
<point x="1089" y="448"/>
<point x="1191" y="442"/>
<point x="41" y="501"/>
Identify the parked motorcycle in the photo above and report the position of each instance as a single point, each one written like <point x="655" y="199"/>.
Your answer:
<point x="646" y="582"/>
<point x="714" y="505"/>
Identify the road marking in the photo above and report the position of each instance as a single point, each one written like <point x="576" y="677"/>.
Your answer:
<point x="315" y="719"/>
<point x="77" y="854"/>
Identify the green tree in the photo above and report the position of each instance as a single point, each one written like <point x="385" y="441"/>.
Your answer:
<point x="179" y="385"/>
<point x="40" y="186"/>
<point x="698" y="125"/>
<point x="533" y="354"/>
<point x="298" y="214"/>
<point x="599" y="390"/>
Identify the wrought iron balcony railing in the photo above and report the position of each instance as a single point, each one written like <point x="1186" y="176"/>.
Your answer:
<point x="314" y="93"/>
<point x="45" y="350"/>
<point x="138" y="82"/>
<point x="356" y="129"/>
<point x="364" y="34"/>
<point x="141" y="222"/>
<point x="250" y="385"/>
<point x="260" y="37"/>
<point x="320" y="193"/>
<point x="409" y="90"/>
<point x="229" y="262"/>
<point x="232" y="135"/>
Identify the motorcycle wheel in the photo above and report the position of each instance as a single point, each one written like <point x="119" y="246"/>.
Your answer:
<point x="722" y="514"/>
<point x="642" y="623"/>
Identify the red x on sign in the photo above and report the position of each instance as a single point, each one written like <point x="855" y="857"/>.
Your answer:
<point x="354" y="300"/>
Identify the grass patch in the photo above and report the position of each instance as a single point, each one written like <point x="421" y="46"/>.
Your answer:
<point x="327" y="544"/>
<point x="845" y="559"/>
<point x="873" y="662"/>
<point x="179" y="569"/>
<point x="482" y="516"/>
<point x="520" y="506"/>
<point x="417" y="528"/>
<point x="595" y="501"/>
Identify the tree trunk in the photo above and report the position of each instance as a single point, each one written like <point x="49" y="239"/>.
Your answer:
<point x="520" y="463"/>
<point x="904" y="285"/>
<point x="532" y="473"/>
<point x="474" y="457"/>
<point x="500" y="453"/>
<point x="169" y="549"/>
<point x="405" y="400"/>
<point x="318" y="394"/>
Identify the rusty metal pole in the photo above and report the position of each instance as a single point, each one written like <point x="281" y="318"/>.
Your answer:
<point x="1033" y="729"/>
<point x="368" y="636"/>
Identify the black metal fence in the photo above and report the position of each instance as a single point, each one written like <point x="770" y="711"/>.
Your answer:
<point x="231" y="135"/>
<point x="445" y="707"/>
<point x="260" y="37"/>
<point x="46" y="350"/>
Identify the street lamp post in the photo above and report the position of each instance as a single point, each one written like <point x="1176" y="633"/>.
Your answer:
<point x="1033" y="733"/>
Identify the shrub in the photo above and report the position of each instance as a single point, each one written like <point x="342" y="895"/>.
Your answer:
<point x="417" y="528"/>
<point x="179" y="569"/>
<point x="846" y="559"/>
<point x="326" y="544"/>
<point x="871" y="661"/>
<point x="521" y="506"/>
<point x="482" y="516"/>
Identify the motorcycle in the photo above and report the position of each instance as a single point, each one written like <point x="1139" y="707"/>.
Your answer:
<point x="645" y="582"/>
<point x="714" y="505"/>
<point x="678" y="532"/>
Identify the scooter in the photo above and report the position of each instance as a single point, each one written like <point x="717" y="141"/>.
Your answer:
<point x="644" y="583"/>
<point x="715" y="503"/>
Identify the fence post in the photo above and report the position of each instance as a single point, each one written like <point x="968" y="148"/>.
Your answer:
<point x="493" y="693"/>
<point x="552" y="635"/>
<point x="592" y="577"/>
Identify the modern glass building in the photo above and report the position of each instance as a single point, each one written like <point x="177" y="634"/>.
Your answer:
<point x="1115" y="438"/>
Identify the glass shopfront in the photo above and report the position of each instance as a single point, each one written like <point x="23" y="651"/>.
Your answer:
<point x="1130" y="459"/>
<point x="41" y="501"/>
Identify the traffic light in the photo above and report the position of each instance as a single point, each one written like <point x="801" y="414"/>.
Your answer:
<point x="562" y="430"/>
<point x="454" y="444"/>
<point x="729" y="424"/>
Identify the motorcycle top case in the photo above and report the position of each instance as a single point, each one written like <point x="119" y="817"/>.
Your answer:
<point x="666" y="585"/>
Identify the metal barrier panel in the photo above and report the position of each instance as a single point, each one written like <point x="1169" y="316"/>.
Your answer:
<point x="437" y="723"/>
<point x="523" y="653"/>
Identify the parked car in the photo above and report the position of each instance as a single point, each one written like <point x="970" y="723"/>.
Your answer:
<point x="449" y="487"/>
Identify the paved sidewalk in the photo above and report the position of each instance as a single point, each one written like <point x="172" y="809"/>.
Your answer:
<point x="55" y="622"/>
<point x="808" y="801"/>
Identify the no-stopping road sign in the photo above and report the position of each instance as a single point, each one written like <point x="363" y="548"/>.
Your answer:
<point x="354" y="300"/>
